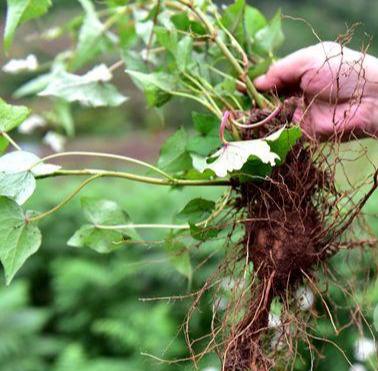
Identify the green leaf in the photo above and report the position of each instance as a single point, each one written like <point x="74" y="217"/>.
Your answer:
<point x="105" y="212"/>
<point x="183" y="23"/>
<point x="33" y="86"/>
<point x="203" y="144"/>
<point x="20" y="11"/>
<point x="196" y="210"/>
<point x="259" y="68"/>
<point x="173" y="155"/>
<point x="91" y="89"/>
<point x="208" y="139"/>
<point x="271" y="37"/>
<point x="158" y="80"/>
<point x="286" y="141"/>
<point x="18" y="186"/>
<point x="184" y="53"/>
<point x="64" y="116"/>
<point x="203" y="234"/>
<point x="205" y="123"/>
<point x="102" y="213"/>
<point x="92" y="40"/>
<point x="99" y="240"/>
<point x="232" y="17"/>
<point x="167" y="39"/>
<point x="18" y="238"/>
<point x="157" y="86"/>
<point x="20" y="161"/>
<point x="254" y="21"/>
<point x="179" y="257"/>
<point x="254" y="169"/>
<point x="11" y="116"/>
<point x="3" y="145"/>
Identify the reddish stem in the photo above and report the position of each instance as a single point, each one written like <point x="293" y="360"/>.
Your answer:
<point x="225" y="120"/>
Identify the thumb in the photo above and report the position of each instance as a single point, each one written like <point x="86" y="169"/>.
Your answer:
<point x="286" y="72"/>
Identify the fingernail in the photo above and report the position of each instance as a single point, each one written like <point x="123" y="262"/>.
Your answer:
<point x="259" y="81"/>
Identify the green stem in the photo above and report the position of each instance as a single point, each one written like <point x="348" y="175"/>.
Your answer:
<point x="137" y="178"/>
<point x="205" y="92"/>
<point x="261" y="101"/>
<point x="106" y="155"/>
<point x="216" y="212"/>
<point x="10" y="140"/>
<point x="64" y="202"/>
<point x="143" y="226"/>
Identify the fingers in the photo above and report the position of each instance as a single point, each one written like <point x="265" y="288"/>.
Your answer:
<point x="324" y="121"/>
<point x="286" y="72"/>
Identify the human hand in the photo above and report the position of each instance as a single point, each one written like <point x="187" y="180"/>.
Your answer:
<point x="339" y="88"/>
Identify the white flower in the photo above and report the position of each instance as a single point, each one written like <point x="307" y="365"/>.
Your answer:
<point x="31" y="123"/>
<point x="305" y="298"/>
<point x="210" y="369"/>
<point x="357" y="367"/>
<point x="19" y="161"/>
<point x="364" y="348"/>
<point x="233" y="155"/>
<point x="56" y="141"/>
<point x="14" y="66"/>
<point x="274" y="321"/>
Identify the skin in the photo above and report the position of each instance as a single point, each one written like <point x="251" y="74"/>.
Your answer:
<point x="337" y="86"/>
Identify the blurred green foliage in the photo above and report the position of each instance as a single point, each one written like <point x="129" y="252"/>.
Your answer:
<point x="72" y="309"/>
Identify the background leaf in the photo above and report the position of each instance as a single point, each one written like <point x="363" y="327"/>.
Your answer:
<point x="196" y="210"/>
<point x="106" y="212"/>
<point x="92" y="39"/>
<point x="271" y="37"/>
<point x="102" y="212"/>
<point x="179" y="257"/>
<point x="89" y="90"/>
<point x="11" y="116"/>
<point x="100" y="240"/>
<point x="20" y="11"/>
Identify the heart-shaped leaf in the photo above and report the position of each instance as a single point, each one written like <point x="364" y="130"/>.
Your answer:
<point x="196" y="210"/>
<point x="19" y="239"/>
<point x="18" y="186"/>
<point x="102" y="213"/>
<point x="20" y="11"/>
<point x="21" y="161"/>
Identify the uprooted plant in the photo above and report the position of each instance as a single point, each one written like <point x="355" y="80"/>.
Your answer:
<point x="281" y="217"/>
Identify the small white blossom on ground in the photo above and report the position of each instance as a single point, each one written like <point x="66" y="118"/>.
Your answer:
<point x="364" y="348"/>
<point x="210" y="369"/>
<point x="305" y="298"/>
<point x="55" y="141"/>
<point x="20" y="161"/>
<point x="31" y="123"/>
<point x="14" y="66"/>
